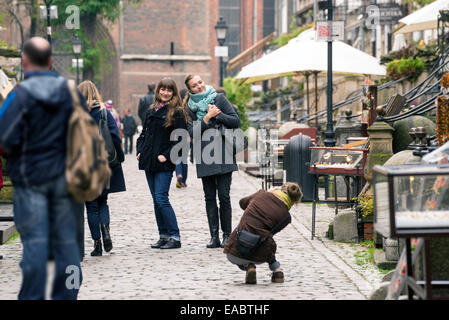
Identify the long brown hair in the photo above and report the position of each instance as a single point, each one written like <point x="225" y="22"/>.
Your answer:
<point x="186" y="82"/>
<point x="90" y="93"/>
<point x="175" y="104"/>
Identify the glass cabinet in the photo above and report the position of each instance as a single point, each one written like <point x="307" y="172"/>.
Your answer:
<point x="411" y="200"/>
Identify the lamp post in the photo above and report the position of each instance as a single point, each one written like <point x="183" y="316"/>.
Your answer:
<point x="330" y="134"/>
<point x="49" y="12"/>
<point x="77" y="45"/>
<point x="221" y="29"/>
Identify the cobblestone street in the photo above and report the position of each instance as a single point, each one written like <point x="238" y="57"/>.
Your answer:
<point x="314" y="269"/>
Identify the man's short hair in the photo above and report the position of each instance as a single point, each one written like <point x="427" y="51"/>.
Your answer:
<point x="151" y="87"/>
<point x="37" y="56"/>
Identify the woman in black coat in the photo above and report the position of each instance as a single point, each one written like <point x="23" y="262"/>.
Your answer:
<point x="154" y="154"/>
<point x="211" y="112"/>
<point x="98" y="209"/>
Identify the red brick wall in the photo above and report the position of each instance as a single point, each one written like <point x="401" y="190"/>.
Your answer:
<point x="247" y="23"/>
<point x="148" y="29"/>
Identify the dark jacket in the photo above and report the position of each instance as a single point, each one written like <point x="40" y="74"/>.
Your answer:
<point x="129" y="125"/>
<point x="154" y="140"/>
<point x="33" y="128"/>
<point x="230" y="119"/>
<point x="144" y="103"/>
<point x="117" y="183"/>
<point x="263" y="210"/>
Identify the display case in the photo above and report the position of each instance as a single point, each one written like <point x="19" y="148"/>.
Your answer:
<point x="335" y="161"/>
<point x="411" y="200"/>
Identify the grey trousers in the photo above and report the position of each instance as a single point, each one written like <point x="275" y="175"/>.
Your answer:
<point x="243" y="263"/>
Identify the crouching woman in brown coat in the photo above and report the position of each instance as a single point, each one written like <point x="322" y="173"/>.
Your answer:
<point x="266" y="213"/>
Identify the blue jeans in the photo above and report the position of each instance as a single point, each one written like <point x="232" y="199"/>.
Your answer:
<point x="243" y="263"/>
<point x="130" y="139"/>
<point x="159" y="183"/>
<point x="40" y="213"/>
<point x="181" y="169"/>
<point x="97" y="215"/>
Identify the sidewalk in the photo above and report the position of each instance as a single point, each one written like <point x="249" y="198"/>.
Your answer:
<point x="318" y="269"/>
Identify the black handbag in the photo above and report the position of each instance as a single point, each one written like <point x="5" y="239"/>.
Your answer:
<point x="247" y="242"/>
<point x="109" y="144"/>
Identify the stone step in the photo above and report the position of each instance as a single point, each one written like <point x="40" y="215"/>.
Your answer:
<point x="6" y="230"/>
<point x="6" y="212"/>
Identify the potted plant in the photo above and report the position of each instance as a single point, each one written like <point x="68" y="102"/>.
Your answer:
<point x="365" y="209"/>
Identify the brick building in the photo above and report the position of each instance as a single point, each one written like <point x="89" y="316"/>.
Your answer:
<point x="164" y="39"/>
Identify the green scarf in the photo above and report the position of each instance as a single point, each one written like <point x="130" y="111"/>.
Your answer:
<point x="283" y="197"/>
<point x="199" y="102"/>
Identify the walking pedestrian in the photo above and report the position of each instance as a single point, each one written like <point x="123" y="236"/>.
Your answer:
<point x="145" y="102"/>
<point x="33" y="131"/>
<point x="266" y="213"/>
<point x="209" y="111"/>
<point x="153" y="153"/>
<point x="98" y="215"/>
<point x="129" y="129"/>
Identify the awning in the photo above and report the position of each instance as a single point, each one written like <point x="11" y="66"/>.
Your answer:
<point x="240" y="58"/>
<point x="423" y="19"/>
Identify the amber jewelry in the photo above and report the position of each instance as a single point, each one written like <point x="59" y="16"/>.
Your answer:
<point x="445" y="80"/>
<point x="442" y="120"/>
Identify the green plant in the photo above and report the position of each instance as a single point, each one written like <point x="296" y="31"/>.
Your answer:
<point x="366" y="203"/>
<point x="284" y="38"/>
<point x="95" y="53"/>
<point x="238" y="95"/>
<point x="410" y="67"/>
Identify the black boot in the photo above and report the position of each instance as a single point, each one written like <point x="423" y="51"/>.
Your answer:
<point x="97" y="249"/>
<point x="226" y="224"/>
<point x="212" y="219"/>
<point x="107" y="242"/>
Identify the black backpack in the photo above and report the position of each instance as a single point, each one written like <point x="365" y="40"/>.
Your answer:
<point x="104" y="131"/>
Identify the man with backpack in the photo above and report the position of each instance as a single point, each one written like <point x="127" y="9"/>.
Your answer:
<point x="34" y="131"/>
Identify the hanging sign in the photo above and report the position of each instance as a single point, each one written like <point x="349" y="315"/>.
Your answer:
<point x="330" y="30"/>
<point x="221" y="51"/>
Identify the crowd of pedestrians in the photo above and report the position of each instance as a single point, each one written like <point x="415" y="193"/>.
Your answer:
<point x="34" y="124"/>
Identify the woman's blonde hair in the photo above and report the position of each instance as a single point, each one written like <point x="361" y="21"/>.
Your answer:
<point x="90" y="93"/>
<point x="293" y="191"/>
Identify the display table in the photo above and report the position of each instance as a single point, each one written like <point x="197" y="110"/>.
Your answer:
<point x="332" y="161"/>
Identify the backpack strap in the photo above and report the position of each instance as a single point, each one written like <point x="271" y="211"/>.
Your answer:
<point x="279" y="224"/>
<point x="104" y="114"/>
<point x="72" y="89"/>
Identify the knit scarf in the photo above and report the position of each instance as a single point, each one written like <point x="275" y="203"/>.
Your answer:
<point x="283" y="197"/>
<point x="199" y="102"/>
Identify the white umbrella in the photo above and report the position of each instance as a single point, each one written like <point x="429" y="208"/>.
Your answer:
<point x="310" y="55"/>
<point x="423" y="19"/>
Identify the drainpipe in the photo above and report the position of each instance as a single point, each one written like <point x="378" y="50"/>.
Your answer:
<point x="254" y="26"/>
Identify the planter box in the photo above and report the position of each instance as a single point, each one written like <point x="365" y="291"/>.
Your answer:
<point x="368" y="230"/>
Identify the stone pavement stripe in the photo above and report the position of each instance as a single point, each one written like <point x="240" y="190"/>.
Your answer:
<point x="363" y="286"/>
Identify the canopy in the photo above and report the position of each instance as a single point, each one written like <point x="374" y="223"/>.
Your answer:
<point x="310" y="55"/>
<point x="425" y="18"/>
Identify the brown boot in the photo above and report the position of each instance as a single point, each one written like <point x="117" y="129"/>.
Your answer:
<point x="251" y="274"/>
<point x="277" y="277"/>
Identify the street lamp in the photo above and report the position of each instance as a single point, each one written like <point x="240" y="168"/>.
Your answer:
<point x="77" y="45"/>
<point x="221" y="29"/>
<point x="329" y="133"/>
<point x="49" y="12"/>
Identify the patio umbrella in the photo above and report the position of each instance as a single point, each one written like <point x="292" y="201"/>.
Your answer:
<point x="310" y="56"/>
<point x="425" y="18"/>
